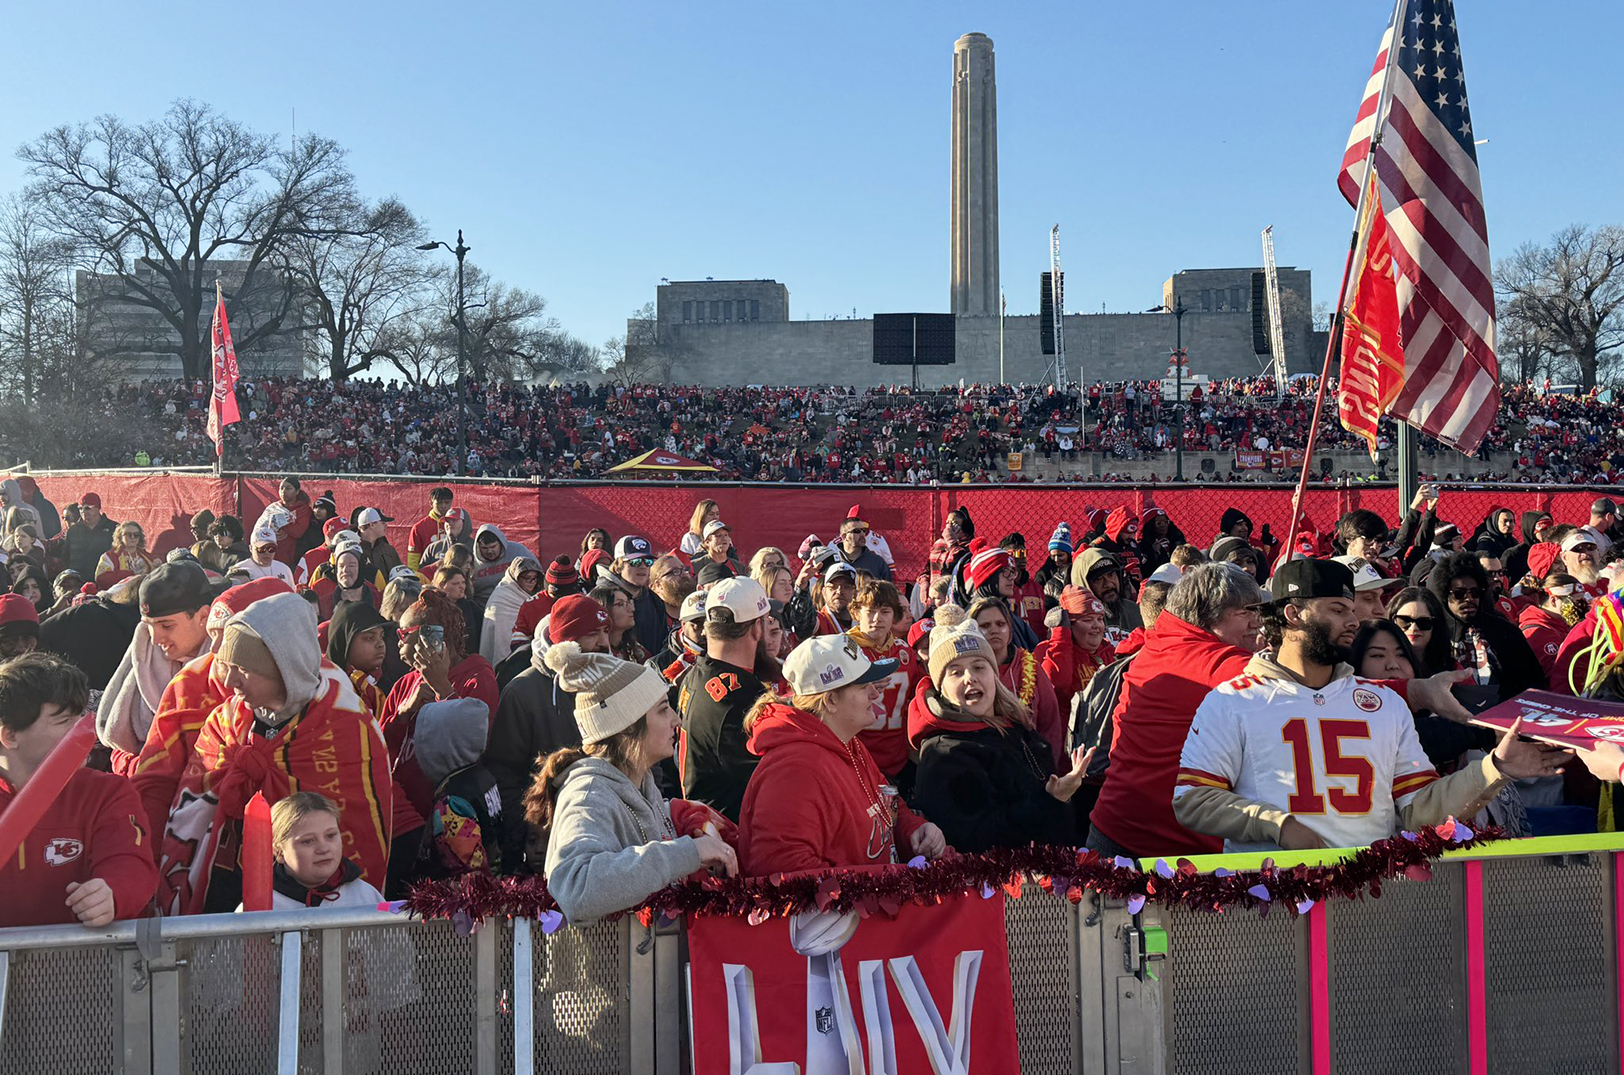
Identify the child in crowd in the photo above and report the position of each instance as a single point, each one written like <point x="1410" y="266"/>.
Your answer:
<point x="311" y="870"/>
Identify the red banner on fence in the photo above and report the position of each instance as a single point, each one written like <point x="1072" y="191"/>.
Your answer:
<point x="926" y="990"/>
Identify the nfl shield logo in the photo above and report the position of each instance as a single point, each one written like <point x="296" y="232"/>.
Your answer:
<point x="824" y="1020"/>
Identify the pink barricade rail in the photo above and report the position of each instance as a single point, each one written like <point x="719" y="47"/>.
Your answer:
<point x="552" y="518"/>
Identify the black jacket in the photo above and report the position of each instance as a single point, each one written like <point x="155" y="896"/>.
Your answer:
<point x="534" y="717"/>
<point x="713" y="698"/>
<point x="92" y="637"/>
<point x="1515" y="559"/>
<point x="651" y="624"/>
<point x="985" y="789"/>
<point x="83" y="545"/>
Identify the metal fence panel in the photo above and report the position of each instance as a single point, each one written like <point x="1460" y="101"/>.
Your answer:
<point x="63" y="1011"/>
<point x="228" y="1018"/>
<point x="1041" y="931"/>
<point x="582" y="1003"/>
<point x="1398" y="979"/>
<point x="1235" y="987"/>
<point x="1548" y="958"/>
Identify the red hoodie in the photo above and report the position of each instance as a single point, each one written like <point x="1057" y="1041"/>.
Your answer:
<point x="1179" y="664"/>
<point x="1069" y="666"/>
<point x="815" y="802"/>
<point x="1545" y="632"/>
<point x="95" y="828"/>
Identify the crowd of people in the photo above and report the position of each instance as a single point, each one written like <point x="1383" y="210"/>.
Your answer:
<point x="663" y="704"/>
<point x="777" y="434"/>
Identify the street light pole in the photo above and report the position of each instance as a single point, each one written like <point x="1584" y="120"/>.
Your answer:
<point x="1178" y="357"/>
<point x="460" y="251"/>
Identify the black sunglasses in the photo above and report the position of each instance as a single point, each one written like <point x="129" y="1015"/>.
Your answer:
<point x="1423" y="622"/>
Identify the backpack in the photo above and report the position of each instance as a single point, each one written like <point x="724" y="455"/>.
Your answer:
<point x="1091" y="711"/>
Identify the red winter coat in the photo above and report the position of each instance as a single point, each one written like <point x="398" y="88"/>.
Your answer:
<point x="287" y="538"/>
<point x="186" y="703"/>
<point x="94" y="828"/>
<point x="1067" y="664"/>
<point x="1545" y="632"/>
<point x="814" y="802"/>
<point x="1179" y="664"/>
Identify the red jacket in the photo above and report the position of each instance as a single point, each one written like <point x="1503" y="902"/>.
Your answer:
<point x="814" y="802"/>
<point x="287" y="538"/>
<point x="531" y="613"/>
<point x="1179" y="664"/>
<point x="187" y="702"/>
<point x="1069" y="666"/>
<point x="1029" y="605"/>
<point x="94" y="828"/>
<point x="471" y="677"/>
<point x="1545" y="632"/>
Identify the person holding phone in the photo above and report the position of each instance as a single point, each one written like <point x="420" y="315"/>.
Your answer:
<point x="433" y="642"/>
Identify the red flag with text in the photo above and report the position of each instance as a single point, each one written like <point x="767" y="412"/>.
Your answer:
<point x="925" y="990"/>
<point x="223" y="403"/>
<point x="1372" y="354"/>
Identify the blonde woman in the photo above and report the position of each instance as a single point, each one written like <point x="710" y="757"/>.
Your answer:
<point x="128" y="556"/>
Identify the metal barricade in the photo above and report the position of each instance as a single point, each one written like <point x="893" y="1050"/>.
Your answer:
<point x="1508" y="961"/>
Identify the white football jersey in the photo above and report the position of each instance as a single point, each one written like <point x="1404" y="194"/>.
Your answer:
<point x="1342" y="760"/>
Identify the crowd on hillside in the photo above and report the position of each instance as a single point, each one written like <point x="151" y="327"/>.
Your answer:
<point x="792" y="435"/>
<point x="666" y="703"/>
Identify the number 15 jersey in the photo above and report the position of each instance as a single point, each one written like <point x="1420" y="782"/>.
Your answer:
<point x="1343" y="760"/>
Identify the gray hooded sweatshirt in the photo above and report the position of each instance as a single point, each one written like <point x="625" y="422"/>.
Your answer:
<point x="450" y="735"/>
<point x="611" y="844"/>
<point x="487" y="573"/>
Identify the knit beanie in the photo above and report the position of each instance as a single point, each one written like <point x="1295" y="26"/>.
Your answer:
<point x="242" y="647"/>
<point x="956" y="640"/>
<point x="1061" y="539"/>
<point x="610" y="694"/>
<point x="1225" y="547"/>
<point x="562" y="573"/>
<point x="985" y="566"/>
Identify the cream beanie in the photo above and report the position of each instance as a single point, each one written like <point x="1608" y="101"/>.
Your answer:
<point x="958" y="639"/>
<point x="610" y="694"/>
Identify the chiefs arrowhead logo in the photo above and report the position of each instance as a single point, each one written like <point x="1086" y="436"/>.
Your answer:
<point x="61" y="851"/>
<point x="1369" y="701"/>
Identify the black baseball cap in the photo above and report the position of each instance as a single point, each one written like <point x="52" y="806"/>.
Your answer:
<point x="1307" y="579"/>
<point x="1108" y="561"/>
<point x="1604" y="506"/>
<point x="178" y="586"/>
<point x="712" y="573"/>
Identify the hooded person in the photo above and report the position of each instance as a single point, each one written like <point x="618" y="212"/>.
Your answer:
<point x="1158" y="537"/>
<point x="984" y="772"/>
<point x="456" y="528"/>
<point x="175" y="600"/>
<point x="341" y="580"/>
<point x="1532" y="529"/>
<point x="292" y="721"/>
<point x="1496" y="534"/>
<point x="536" y="717"/>
<point x="612" y="839"/>
<point x="493" y="552"/>
<point x="11" y="497"/>
<point x="810" y="741"/>
<point x="356" y="643"/>
<point x="1101" y="573"/>
<point x="1121" y="539"/>
<point x="518" y="585"/>
<point x="185" y="704"/>
<point x="560" y="580"/>
<point x="1076" y="647"/>
<point x="1486" y="643"/>
<point x="464" y="829"/>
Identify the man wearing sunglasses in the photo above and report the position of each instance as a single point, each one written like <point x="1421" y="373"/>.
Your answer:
<point x="1485" y="643"/>
<point x="634" y="559"/>
<point x="854" y="547"/>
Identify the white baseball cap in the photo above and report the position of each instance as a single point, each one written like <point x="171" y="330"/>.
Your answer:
<point x="1582" y="536"/>
<point x="827" y="662"/>
<point x="839" y="567"/>
<point x="263" y="535"/>
<point x="693" y="607"/>
<point x="713" y="526"/>
<point x="1168" y="573"/>
<point x="369" y="516"/>
<point x="743" y="597"/>
<point x="344" y="537"/>
<point x="1365" y="577"/>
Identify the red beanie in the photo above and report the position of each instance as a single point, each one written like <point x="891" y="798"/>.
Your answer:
<point x="1117" y="522"/>
<point x="985" y="566"/>
<point x="562" y="573"/>
<point x="589" y="563"/>
<point x="1541" y="557"/>
<point x="574" y="617"/>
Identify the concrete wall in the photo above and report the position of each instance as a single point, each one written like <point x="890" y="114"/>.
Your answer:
<point x="771" y="296"/>
<point x="1110" y="347"/>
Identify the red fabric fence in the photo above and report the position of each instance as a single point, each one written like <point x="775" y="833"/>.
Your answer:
<point x="555" y="517"/>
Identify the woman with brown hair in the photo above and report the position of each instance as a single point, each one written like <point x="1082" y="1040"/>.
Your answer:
<point x="611" y="841"/>
<point x="984" y="772"/>
<point x="704" y="512"/>
<point x="622" y="622"/>
<point x="817" y="800"/>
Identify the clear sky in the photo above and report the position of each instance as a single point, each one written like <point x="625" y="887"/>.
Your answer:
<point x="590" y="149"/>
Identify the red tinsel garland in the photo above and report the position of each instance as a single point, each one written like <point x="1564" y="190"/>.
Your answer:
<point x="1066" y="871"/>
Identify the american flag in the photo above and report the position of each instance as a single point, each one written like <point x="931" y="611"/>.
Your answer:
<point x="1432" y="196"/>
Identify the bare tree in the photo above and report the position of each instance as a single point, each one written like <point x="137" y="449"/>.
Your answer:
<point x="155" y="208"/>
<point x="1571" y="294"/>
<point x="36" y="315"/>
<point x="639" y="356"/>
<point x="360" y="287"/>
<point x="508" y="335"/>
<point x="416" y="346"/>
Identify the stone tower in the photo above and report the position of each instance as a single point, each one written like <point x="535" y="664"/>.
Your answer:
<point x="975" y="178"/>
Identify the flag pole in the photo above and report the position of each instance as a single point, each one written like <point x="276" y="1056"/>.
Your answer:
<point x="1383" y="102"/>
<point x="220" y="447"/>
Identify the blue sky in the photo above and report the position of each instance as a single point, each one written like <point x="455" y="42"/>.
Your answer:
<point x="589" y="150"/>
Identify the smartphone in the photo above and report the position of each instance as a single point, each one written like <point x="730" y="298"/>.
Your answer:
<point x="433" y="636"/>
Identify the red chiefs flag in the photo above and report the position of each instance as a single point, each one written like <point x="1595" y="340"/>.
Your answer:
<point x="223" y="404"/>
<point x="1372" y="356"/>
<point x="819" y="992"/>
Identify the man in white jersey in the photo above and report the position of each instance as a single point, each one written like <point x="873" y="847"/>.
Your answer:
<point x="1298" y="752"/>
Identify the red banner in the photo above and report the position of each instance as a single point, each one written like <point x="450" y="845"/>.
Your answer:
<point x="926" y="990"/>
<point x="1372" y="356"/>
<point x="223" y="402"/>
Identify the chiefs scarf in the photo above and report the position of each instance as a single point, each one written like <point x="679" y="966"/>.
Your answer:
<point x="334" y="747"/>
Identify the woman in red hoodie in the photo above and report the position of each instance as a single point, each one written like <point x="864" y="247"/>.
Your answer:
<point x="1076" y="648"/>
<point x="817" y="800"/>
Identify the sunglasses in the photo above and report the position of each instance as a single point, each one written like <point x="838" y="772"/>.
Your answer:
<point x="1462" y="593"/>
<point x="642" y="561"/>
<point x="855" y="530"/>
<point x="1423" y="622"/>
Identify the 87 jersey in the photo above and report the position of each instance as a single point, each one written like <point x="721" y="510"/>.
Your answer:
<point x="887" y="737"/>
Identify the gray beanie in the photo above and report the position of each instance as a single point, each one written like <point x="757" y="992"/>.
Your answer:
<point x="610" y="694"/>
